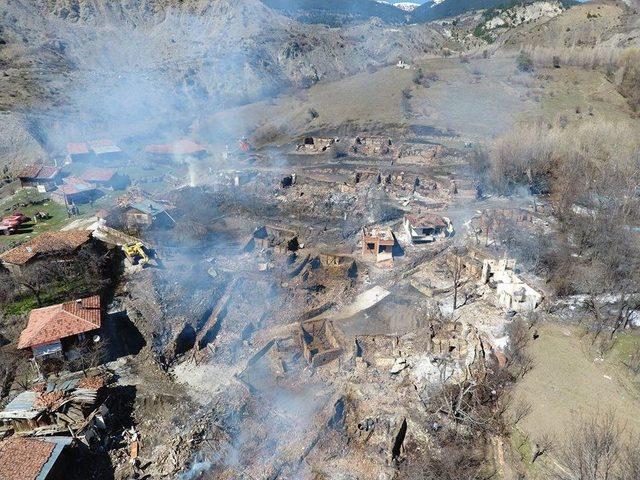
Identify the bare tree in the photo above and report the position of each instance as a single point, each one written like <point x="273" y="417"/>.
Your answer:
<point x="630" y="464"/>
<point x="455" y="268"/>
<point x="39" y="277"/>
<point x="543" y="445"/>
<point x="520" y="334"/>
<point x="93" y="354"/>
<point x="80" y="272"/>
<point x="594" y="452"/>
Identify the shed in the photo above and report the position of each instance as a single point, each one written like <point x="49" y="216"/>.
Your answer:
<point x="78" y="151"/>
<point x="146" y="214"/>
<point x="75" y="191"/>
<point x="39" y="175"/>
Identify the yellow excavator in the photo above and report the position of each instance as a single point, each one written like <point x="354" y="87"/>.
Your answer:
<point x="136" y="253"/>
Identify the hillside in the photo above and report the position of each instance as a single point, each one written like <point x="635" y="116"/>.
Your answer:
<point x="338" y="12"/>
<point x="145" y="61"/>
<point x="451" y="8"/>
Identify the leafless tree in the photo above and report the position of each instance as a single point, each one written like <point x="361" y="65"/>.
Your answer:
<point x="594" y="452"/>
<point x="38" y="277"/>
<point x="542" y="446"/>
<point x="455" y="268"/>
<point x="520" y="335"/>
<point x="630" y="464"/>
<point x="92" y="355"/>
<point x="81" y="272"/>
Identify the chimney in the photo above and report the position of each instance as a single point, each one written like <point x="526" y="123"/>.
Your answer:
<point x="79" y="303"/>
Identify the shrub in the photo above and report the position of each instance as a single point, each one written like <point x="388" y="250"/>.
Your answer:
<point x="524" y="62"/>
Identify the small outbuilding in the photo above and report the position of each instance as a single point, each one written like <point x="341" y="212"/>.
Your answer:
<point x="105" y="178"/>
<point x="146" y="214"/>
<point x="39" y="176"/>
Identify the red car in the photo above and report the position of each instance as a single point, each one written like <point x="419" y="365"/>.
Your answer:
<point x="15" y="218"/>
<point x="20" y="217"/>
<point x="10" y="222"/>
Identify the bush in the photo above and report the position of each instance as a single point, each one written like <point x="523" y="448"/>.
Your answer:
<point x="524" y="62"/>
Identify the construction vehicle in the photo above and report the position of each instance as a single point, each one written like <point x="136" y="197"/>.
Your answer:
<point x="136" y="253"/>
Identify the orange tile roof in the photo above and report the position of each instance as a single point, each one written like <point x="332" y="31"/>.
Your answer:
<point x="53" y="323"/>
<point x="74" y="186"/>
<point x="77" y="148"/>
<point x="98" y="174"/>
<point x="180" y="147"/>
<point x="46" y="244"/>
<point x="23" y="458"/>
<point x="104" y="142"/>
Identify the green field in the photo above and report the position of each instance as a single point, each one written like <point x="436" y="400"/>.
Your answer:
<point x="27" y="201"/>
<point x="570" y="381"/>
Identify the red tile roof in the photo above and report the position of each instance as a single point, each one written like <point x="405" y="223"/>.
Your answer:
<point x="47" y="243"/>
<point x="23" y="458"/>
<point x="53" y="323"/>
<point x="98" y="174"/>
<point x="102" y="143"/>
<point x="77" y="148"/>
<point x="43" y="172"/>
<point x="30" y="171"/>
<point x="74" y="185"/>
<point x="180" y="147"/>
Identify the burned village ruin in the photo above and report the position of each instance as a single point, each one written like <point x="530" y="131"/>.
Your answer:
<point x="319" y="240"/>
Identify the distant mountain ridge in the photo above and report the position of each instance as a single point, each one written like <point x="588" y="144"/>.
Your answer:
<point x="341" y="12"/>
<point x="406" y="6"/>
<point x="338" y="12"/>
<point x="438" y="9"/>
